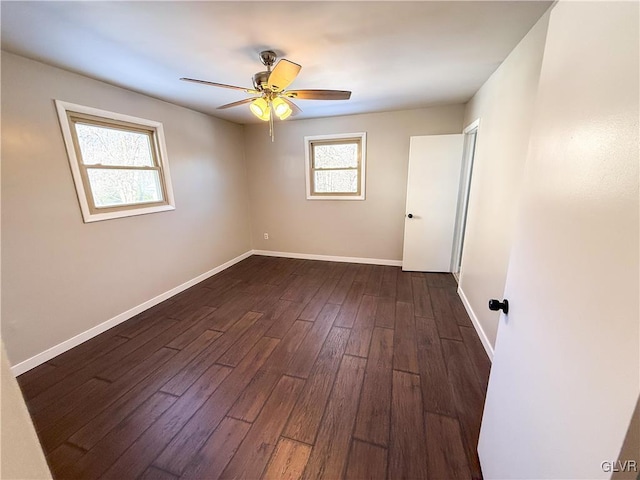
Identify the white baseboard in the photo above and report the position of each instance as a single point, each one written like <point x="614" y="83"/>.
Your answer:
<point x="56" y="350"/>
<point x="476" y="324"/>
<point x="329" y="258"/>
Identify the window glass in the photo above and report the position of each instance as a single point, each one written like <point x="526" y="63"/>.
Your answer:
<point x="335" y="155"/>
<point x="111" y="187"/>
<point x="109" y="146"/>
<point x="327" y="181"/>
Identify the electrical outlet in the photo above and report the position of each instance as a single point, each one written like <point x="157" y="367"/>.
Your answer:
<point x="266" y="236"/>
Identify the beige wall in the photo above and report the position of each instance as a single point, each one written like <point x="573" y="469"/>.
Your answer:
<point x="21" y="456"/>
<point x="372" y="228"/>
<point x="60" y="276"/>
<point x="504" y="106"/>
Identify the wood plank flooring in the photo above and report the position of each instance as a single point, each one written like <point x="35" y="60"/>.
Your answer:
<point x="276" y="369"/>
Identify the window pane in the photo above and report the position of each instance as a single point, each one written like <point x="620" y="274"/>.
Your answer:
<point x="123" y="187"/>
<point x="336" y="155"/>
<point x="336" y="181"/>
<point x="109" y="146"/>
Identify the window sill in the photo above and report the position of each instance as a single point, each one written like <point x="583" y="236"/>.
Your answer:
<point x="335" y="197"/>
<point x="97" y="217"/>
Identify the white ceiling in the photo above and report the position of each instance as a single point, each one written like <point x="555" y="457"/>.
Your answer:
<point x="391" y="55"/>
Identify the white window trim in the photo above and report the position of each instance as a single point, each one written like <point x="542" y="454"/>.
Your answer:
<point x="62" y="109"/>
<point x="363" y="163"/>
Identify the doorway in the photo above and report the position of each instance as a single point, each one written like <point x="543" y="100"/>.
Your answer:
<point x="466" y="171"/>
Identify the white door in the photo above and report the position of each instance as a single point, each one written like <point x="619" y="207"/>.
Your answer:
<point x="432" y="197"/>
<point x="565" y="376"/>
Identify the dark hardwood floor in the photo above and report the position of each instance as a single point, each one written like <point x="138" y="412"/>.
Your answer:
<point x="274" y="368"/>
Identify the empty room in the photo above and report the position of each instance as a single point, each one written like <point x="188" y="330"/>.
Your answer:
<point x="309" y="239"/>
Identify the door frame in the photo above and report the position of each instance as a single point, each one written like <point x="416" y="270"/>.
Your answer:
<point x="466" y="174"/>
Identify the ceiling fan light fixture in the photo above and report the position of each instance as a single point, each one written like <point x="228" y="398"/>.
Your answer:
<point x="281" y="108"/>
<point x="260" y="108"/>
<point x="286" y="114"/>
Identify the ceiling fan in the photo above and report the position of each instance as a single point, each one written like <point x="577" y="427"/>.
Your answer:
<point x="269" y="88"/>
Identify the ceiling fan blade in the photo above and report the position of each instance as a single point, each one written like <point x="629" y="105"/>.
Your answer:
<point x="319" y="94"/>
<point x="223" y="85"/>
<point x="283" y="74"/>
<point x="235" y="104"/>
<point x="296" y="109"/>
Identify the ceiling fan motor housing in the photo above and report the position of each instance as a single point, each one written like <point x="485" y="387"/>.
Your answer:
<point x="261" y="80"/>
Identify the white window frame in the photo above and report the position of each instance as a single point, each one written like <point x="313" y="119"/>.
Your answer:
<point x="91" y="213"/>
<point x="308" y="142"/>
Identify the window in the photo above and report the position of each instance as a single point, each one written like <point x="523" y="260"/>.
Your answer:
<point x="336" y="166"/>
<point x="118" y="162"/>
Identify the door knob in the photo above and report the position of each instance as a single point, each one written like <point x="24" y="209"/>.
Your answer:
<point x="496" y="305"/>
<point x="410" y="215"/>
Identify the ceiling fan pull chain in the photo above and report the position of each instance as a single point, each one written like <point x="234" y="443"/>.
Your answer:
<point x="271" y="112"/>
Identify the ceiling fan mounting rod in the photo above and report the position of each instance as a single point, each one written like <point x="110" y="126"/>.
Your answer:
<point x="261" y="79"/>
